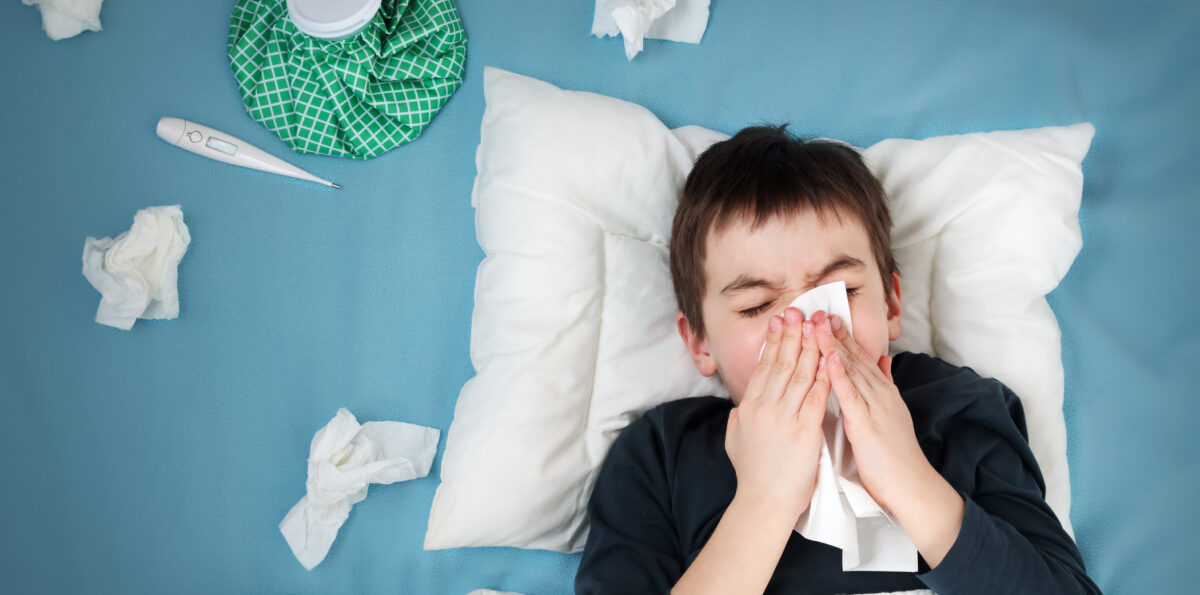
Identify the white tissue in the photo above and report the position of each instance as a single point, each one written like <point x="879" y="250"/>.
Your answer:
<point x="136" y="273"/>
<point x="674" y="20"/>
<point x="842" y="513"/>
<point x="343" y="458"/>
<point x="67" y="18"/>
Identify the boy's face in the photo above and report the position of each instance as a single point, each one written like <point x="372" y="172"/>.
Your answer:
<point x="753" y="275"/>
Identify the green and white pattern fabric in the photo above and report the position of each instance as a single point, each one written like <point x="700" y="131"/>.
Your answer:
<point x="357" y="96"/>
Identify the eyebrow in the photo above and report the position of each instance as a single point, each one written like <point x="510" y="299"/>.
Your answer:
<point x="744" y="281"/>
<point x="841" y="262"/>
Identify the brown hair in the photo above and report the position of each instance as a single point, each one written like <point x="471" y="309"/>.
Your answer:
<point x="764" y="172"/>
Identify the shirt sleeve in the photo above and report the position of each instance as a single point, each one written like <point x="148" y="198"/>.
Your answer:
<point x="1010" y="540"/>
<point x="632" y="546"/>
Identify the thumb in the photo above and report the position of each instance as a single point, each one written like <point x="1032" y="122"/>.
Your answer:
<point x="730" y="429"/>
<point x="885" y="366"/>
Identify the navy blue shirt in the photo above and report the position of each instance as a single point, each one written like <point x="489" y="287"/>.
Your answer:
<point x="667" y="481"/>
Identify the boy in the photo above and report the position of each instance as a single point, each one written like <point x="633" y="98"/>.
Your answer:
<point x="701" y="495"/>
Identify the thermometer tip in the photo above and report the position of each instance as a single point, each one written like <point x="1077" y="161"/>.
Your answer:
<point x="335" y="185"/>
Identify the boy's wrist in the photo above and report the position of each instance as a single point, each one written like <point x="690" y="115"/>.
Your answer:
<point x="931" y="511"/>
<point x="907" y="486"/>
<point x="768" y="509"/>
<point x="743" y="551"/>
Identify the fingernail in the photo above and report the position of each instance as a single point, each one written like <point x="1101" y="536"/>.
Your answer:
<point x="775" y="323"/>
<point x="791" y="316"/>
<point x="821" y="363"/>
<point x="836" y="322"/>
<point x="826" y="328"/>
<point x="808" y="329"/>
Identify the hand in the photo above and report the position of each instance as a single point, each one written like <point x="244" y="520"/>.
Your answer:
<point x="774" y="441"/>
<point x="877" y="422"/>
<point x="774" y="435"/>
<point x="890" y="462"/>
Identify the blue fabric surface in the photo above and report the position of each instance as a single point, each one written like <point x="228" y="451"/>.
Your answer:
<point x="162" y="459"/>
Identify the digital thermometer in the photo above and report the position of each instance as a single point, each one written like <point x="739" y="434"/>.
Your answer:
<point x="215" y="144"/>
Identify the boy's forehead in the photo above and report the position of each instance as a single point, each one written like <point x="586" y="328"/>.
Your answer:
<point x="741" y="247"/>
<point x="830" y="218"/>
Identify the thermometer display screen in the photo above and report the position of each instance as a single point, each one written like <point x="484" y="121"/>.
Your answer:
<point x="217" y="144"/>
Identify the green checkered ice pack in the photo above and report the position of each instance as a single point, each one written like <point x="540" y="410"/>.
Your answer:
<point x="357" y="96"/>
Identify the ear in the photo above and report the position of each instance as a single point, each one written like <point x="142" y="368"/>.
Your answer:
<point x="893" y="308"/>
<point x="698" y="348"/>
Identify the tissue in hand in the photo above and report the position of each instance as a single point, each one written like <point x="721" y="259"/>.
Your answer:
<point x="136" y="273"/>
<point x="675" y="20"/>
<point x="343" y="458"/>
<point x="67" y="18"/>
<point x="842" y="513"/>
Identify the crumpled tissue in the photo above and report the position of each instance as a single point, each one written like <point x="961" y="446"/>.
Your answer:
<point x="674" y="20"/>
<point x="136" y="273"/>
<point x="67" y="18"/>
<point x="343" y="458"/>
<point x="841" y="512"/>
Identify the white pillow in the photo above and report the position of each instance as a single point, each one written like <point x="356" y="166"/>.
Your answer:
<point x="573" y="335"/>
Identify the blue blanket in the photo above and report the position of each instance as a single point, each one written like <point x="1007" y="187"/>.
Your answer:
<point x="162" y="459"/>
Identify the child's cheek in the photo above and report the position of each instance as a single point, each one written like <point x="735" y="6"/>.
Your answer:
<point x="870" y="330"/>
<point x="749" y="346"/>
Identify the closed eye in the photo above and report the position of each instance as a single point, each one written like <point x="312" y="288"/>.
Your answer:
<point x="759" y="309"/>
<point x="755" y="311"/>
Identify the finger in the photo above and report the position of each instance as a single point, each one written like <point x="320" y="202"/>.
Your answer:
<point x="850" y="399"/>
<point x="859" y="374"/>
<point x="766" y="359"/>
<point x="785" y="362"/>
<point x="825" y="338"/>
<point x="885" y="366"/>
<point x="856" y="353"/>
<point x="770" y="348"/>
<point x="812" y="410"/>
<point x="730" y="428"/>
<point x="866" y="376"/>
<point x="818" y="319"/>
<point x="806" y="367"/>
